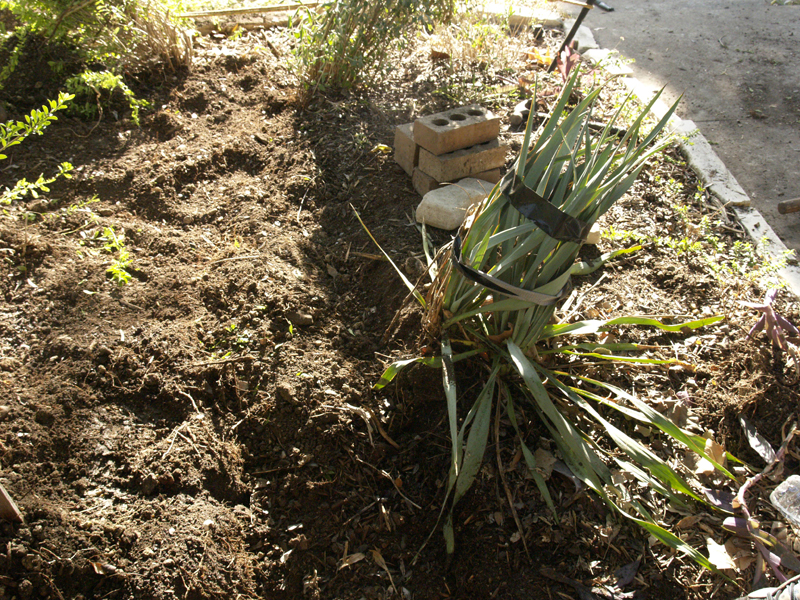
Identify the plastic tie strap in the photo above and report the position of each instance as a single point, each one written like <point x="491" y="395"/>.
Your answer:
<point x="501" y="287"/>
<point x="550" y="219"/>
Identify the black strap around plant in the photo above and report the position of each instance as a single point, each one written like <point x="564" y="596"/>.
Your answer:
<point x="499" y="286"/>
<point x="550" y="219"/>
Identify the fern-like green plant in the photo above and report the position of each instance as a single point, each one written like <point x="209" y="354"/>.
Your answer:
<point x="118" y="270"/>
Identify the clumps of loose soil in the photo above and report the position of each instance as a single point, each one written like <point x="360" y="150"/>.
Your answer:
<point x="209" y="429"/>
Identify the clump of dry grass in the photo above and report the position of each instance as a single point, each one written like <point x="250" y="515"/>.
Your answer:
<point x="153" y="34"/>
<point x="480" y="34"/>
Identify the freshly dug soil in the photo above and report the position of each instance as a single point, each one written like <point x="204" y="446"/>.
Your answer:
<point x="209" y="429"/>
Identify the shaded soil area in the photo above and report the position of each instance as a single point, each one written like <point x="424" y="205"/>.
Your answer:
<point x="209" y="429"/>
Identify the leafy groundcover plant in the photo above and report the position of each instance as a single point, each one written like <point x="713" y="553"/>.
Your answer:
<point x="14" y="132"/>
<point x="496" y="289"/>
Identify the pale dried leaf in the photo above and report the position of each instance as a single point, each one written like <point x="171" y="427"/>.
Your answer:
<point x="718" y="555"/>
<point x="98" y="567"/>
<point x="618" y="477"/>
<point x="378" y="558"/>
<point x="351" y="559"/>
<point x="716" y="452"/>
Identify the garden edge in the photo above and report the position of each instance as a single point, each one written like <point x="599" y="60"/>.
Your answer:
<point x="715" y="176"/>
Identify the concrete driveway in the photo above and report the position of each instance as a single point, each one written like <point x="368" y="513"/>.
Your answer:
<point x="737" y="63"/>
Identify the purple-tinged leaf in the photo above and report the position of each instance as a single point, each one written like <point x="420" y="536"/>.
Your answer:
<point x="787" y="325"/>
<point x="772" y="560"/>
<point x="624" y="575"/>
<point x="786" y="557"/>
<point x="757" y="327"/>
<point x="720" y="498"/>
<point x="737" y="525"/>
<point x="757" y="441"/>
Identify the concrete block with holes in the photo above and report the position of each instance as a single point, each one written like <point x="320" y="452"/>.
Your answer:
<point x="406" y="150"/>
<point x="447" y="206"/>
<point x="455" y="129"/>
<point x="463" y="163"/>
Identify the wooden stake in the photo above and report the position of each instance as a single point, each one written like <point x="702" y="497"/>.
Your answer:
<point x="789" y="206"/>
<point x="8" y="508"/>
<point x="246" y="11"/>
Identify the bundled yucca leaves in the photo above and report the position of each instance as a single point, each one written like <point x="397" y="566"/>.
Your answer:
<point x="497" y="289"/>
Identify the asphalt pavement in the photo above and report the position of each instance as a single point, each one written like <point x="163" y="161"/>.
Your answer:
<point x="737" y="64"/>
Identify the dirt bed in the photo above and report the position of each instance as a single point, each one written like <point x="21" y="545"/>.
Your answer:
<point x="209" y="429"/>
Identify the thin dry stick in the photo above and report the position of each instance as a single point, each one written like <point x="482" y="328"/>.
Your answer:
<point x="509" y="497"/>
<point x="191" y="443"/>
<point x="245" y="11"/>
<point x="65" y="14"/>
<point x="174" y="437"/>
<point x="580" y="300"/>
<point x="224" y="361"/>
<point x="196" y="409"/>
<point x="390" y="478"/>
<point x="214" y="262"/>
<point x="381" y="430"/>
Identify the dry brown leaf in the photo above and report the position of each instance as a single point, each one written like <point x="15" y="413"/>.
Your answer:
<point x="742" y="557"/>
<point x="501" y="337"/>
<point x="618" y="478"/>
<point x="8" y="508"/>
<point x="378" y="558"/>
<point x="544" y="462"/>
<point x="679" y="414"/>
<point x="687" y="522"/>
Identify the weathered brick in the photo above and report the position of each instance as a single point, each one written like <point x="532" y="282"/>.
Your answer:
<point x="424" y="183"/>
<point x="492" y="176"/>
<point x="406" y="150"/>
<point x="456" y="129"/>
<point x="463" y="163"/>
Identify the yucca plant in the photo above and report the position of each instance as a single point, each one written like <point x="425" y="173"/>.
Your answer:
<point x="496" y="291"/>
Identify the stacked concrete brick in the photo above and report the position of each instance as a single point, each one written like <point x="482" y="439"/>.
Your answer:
<point x="449" y="146"/>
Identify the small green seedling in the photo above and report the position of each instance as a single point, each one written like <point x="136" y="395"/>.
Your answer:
<point x="119" y="268"/>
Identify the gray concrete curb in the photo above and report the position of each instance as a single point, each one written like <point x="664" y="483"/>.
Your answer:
<point x="711" y="171"/>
